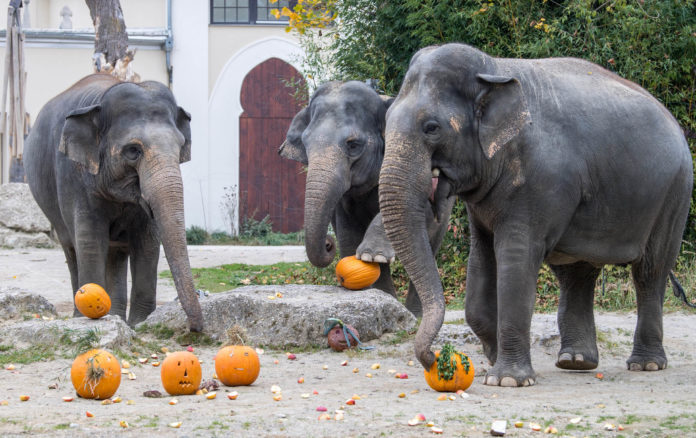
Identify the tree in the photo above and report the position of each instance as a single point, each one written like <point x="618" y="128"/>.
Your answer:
<point x="111" y="53"/>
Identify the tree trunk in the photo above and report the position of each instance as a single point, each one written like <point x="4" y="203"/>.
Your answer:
<point x="111" y="54"/>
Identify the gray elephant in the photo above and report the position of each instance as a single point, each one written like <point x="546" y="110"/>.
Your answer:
<point x="340" y="135"/>
<point x="102" y="161"/>
<point x="558" y="160"/>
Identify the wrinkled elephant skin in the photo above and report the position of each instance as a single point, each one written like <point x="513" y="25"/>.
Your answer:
<point x="558" y="161"/>
<point x="102" y="161"/>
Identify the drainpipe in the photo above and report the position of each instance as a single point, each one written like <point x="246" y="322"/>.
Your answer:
<point x="169" y="43"/>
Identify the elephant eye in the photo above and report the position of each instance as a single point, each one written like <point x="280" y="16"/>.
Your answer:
<point x="354" y="146"/>
<point x="431" y="127"/>
<point x="131" y="151"/>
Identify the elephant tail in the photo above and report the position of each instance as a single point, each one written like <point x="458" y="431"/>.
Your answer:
<point x="679" y="290"/>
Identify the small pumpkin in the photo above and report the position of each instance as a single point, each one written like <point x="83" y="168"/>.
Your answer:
<point x="181" y="373"/>
<point x="96" y="374"/>
<point x="451" y="371"/>
<point x="237" y="365"/>
<point x="92" y="301"/>
<point x="355" y="274"/>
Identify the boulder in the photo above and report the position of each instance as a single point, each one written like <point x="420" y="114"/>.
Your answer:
<point x="15" y="303"/>
<point x="19" y="211"/>
<point x="113" y="331"/>
<point x="22" y="223"/>
<point x="291" y="315"/>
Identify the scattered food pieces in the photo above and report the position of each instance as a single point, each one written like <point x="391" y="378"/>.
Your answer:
<point x="519" y="424"/>
<point x="4" y="403"/>
<point x="211" y="395"/>
<point x="89" y="414"/>
<point x="324" y="416"/>
<point x="233" y="395"/>
<point x="325" y="367"/>
<point x="609" y="427"/>
<point x="601" y="406"/>
<point x="23" y="397"/>
<point x="278" y="397"/>
<point x="344" y="363"/>
<point x="67" y="398"/>
<point x="116" y="399"/>
<point x="551" y="430"/>
<point x="410" y="363"/>
<point x="9" y="367"/>
<point x="300" y="380"/>
<point x="275" y="389"/>
<point x="123" y="424"/>
<point x="164" y="350"/>
<point x="575" y="420"/>
<point x="53" y="386"/>
<point x="599" y="376"/>
<point x="315" y="392"/>
<point x="305" y="395"/>
<point x="173" y="401"/>
<point x="259" y="351"/>
<point x="452" y="397"/>
<point x="106" y="402"/>
<point x="391" y="371"/>
<point x="130" y="402"/>
<point x="375" y="366"/>
<point x="356" y="397"/>
<point x="535" y="427"/>
<point x="153" y="393"/>
<point x="155" y="364"/>
<point x="442" y="397"/>
<point x="338" y="416"/>
<point x="175" y="425"/>
<point x="436" y="430"/>
<point x="369" y="375"/>
<point x="275" y="361"/>
<point x="418" y="419"/>
<point x="356" y="370"/>
<point x="143" y="360"/>
<point x="402" y="395"/>
<point x="189" y="349"/>
<point x="131" y="376"/>
<point x="125" y="364"/>
<point x="291" y="356"/>
<point x="321" y="409"/>
<point x="350" y="401"/>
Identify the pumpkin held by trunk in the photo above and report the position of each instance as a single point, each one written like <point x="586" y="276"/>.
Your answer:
<point x="451" y="371"/>
<point x="96" y="374"/>
<point x="237" y="365"/>
<point x="181" y="373"/>
<point x="355" y="274"/>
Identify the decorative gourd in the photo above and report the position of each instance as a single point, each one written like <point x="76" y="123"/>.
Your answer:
<point x="181" y="373"/>
<point x="96" y="374"/>
<point x="451" y="371"/>
<point x="355" y="274"/>
<point x="237" y="365"/>
<point x="337" y="339"/>
<point x="92" y="301"/>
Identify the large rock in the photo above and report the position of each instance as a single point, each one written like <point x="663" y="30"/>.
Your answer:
<point x="19" y="211"/>
<point x="295" y="319"/>
<point x="22" y="223"/>
<point x="15" y="303"/>
<point x="113" y="331"/>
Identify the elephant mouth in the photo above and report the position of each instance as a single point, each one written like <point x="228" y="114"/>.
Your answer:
<point x="440" y="190"/>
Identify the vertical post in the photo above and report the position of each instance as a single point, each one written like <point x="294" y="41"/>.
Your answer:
<point x="4" y="145"/>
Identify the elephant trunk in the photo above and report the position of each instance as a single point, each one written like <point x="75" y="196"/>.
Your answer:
<point x="404" y="187"/>
<point x="162" y="190"/>
<point x="324" y="190"/>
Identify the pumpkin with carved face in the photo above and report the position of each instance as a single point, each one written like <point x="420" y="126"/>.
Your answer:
<point x="181" y="373"/>
<point x="237" y="365"/>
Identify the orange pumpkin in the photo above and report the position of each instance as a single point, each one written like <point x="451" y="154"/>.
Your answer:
<point x="92" y="301"/>
<point x="355" y="274"/>
<point x="451" y="371"/>
<point x="237" y="365"/>
<point x="181" y="373"/>
<point x="96" y="374"/>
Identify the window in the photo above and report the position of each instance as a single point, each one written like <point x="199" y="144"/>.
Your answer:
<point x="247" y="11"/>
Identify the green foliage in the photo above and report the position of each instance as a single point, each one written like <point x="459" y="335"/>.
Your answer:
<point x="255" y="228"/>
<point x="196" y="236"/>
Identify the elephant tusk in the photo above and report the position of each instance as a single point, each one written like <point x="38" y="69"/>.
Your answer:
<point x="436" y="172"/>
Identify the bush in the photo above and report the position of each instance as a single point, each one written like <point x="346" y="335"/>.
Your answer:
<point x="255" y="228"/>
<point x="196" y="236"/>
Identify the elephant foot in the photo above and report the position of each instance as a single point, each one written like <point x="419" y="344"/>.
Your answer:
<point x="575" y="360"/>
<point x="375" y="251"/>
<point x="491" y="352"/>
<point x="511" y="376"/>
<point x="646" y="363"/>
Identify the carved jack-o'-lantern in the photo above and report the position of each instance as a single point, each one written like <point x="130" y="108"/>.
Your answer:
<point x="181" y="373"/>
<point x="237" y="365"/>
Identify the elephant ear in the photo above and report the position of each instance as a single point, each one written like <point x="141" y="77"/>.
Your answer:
<point x="293" y="148"/>
<point x="183" y="120"/>
<point x="501" y="112"/>
<point x="79" y="140"/>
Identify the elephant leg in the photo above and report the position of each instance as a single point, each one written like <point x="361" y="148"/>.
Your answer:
<point x="117" y="280"/>
<point x="481" y="299"/>
<point x="91" y="250"/>
<point x="375" y="246"/>
<point x="144" y="258"/>
<point x="71" y="260"/>
<point x="576" y="317"/>
<point x="648" y="353"/>
<point x="518" y="259"/>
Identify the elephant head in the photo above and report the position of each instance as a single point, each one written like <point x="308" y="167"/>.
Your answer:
<point x="339" y="135"/>
<point x="446" y="134"/>
<point x="132" y="142"/>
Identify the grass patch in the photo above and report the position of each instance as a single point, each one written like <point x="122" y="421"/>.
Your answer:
<point x="159" y="330"/>
<point x="32" y="354"/>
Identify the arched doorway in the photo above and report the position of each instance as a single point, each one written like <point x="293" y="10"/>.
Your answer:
<point x="268" y="184"/>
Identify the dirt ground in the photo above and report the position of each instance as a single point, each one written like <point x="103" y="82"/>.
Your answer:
<point x="649" y="404"/>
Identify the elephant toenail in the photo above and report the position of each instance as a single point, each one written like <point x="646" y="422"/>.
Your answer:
<point x="579" y="358"/>
<point x="509" y="382"/>
<point x="391" y="260"/>
<point x="635" y="367"/>
<point x="651" y="366"/>
<point x="380" y="259"/>
<point x="491" y="380"/>
<point x="366" y="257"/>
<point x="565" y="357"/>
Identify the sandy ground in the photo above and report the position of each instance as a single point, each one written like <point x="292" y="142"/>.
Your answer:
<point x="650" y="404"/>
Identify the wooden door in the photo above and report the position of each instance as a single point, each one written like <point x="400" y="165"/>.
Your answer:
<point x="268" y="184"/>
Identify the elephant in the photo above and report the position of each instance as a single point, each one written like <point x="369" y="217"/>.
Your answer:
<point x="102" y="161"/>
<point x="340" y="136"/>
<point x="559" y="161"/>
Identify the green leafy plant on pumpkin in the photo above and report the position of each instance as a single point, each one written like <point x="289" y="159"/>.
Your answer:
<point x="447" y="362"/>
